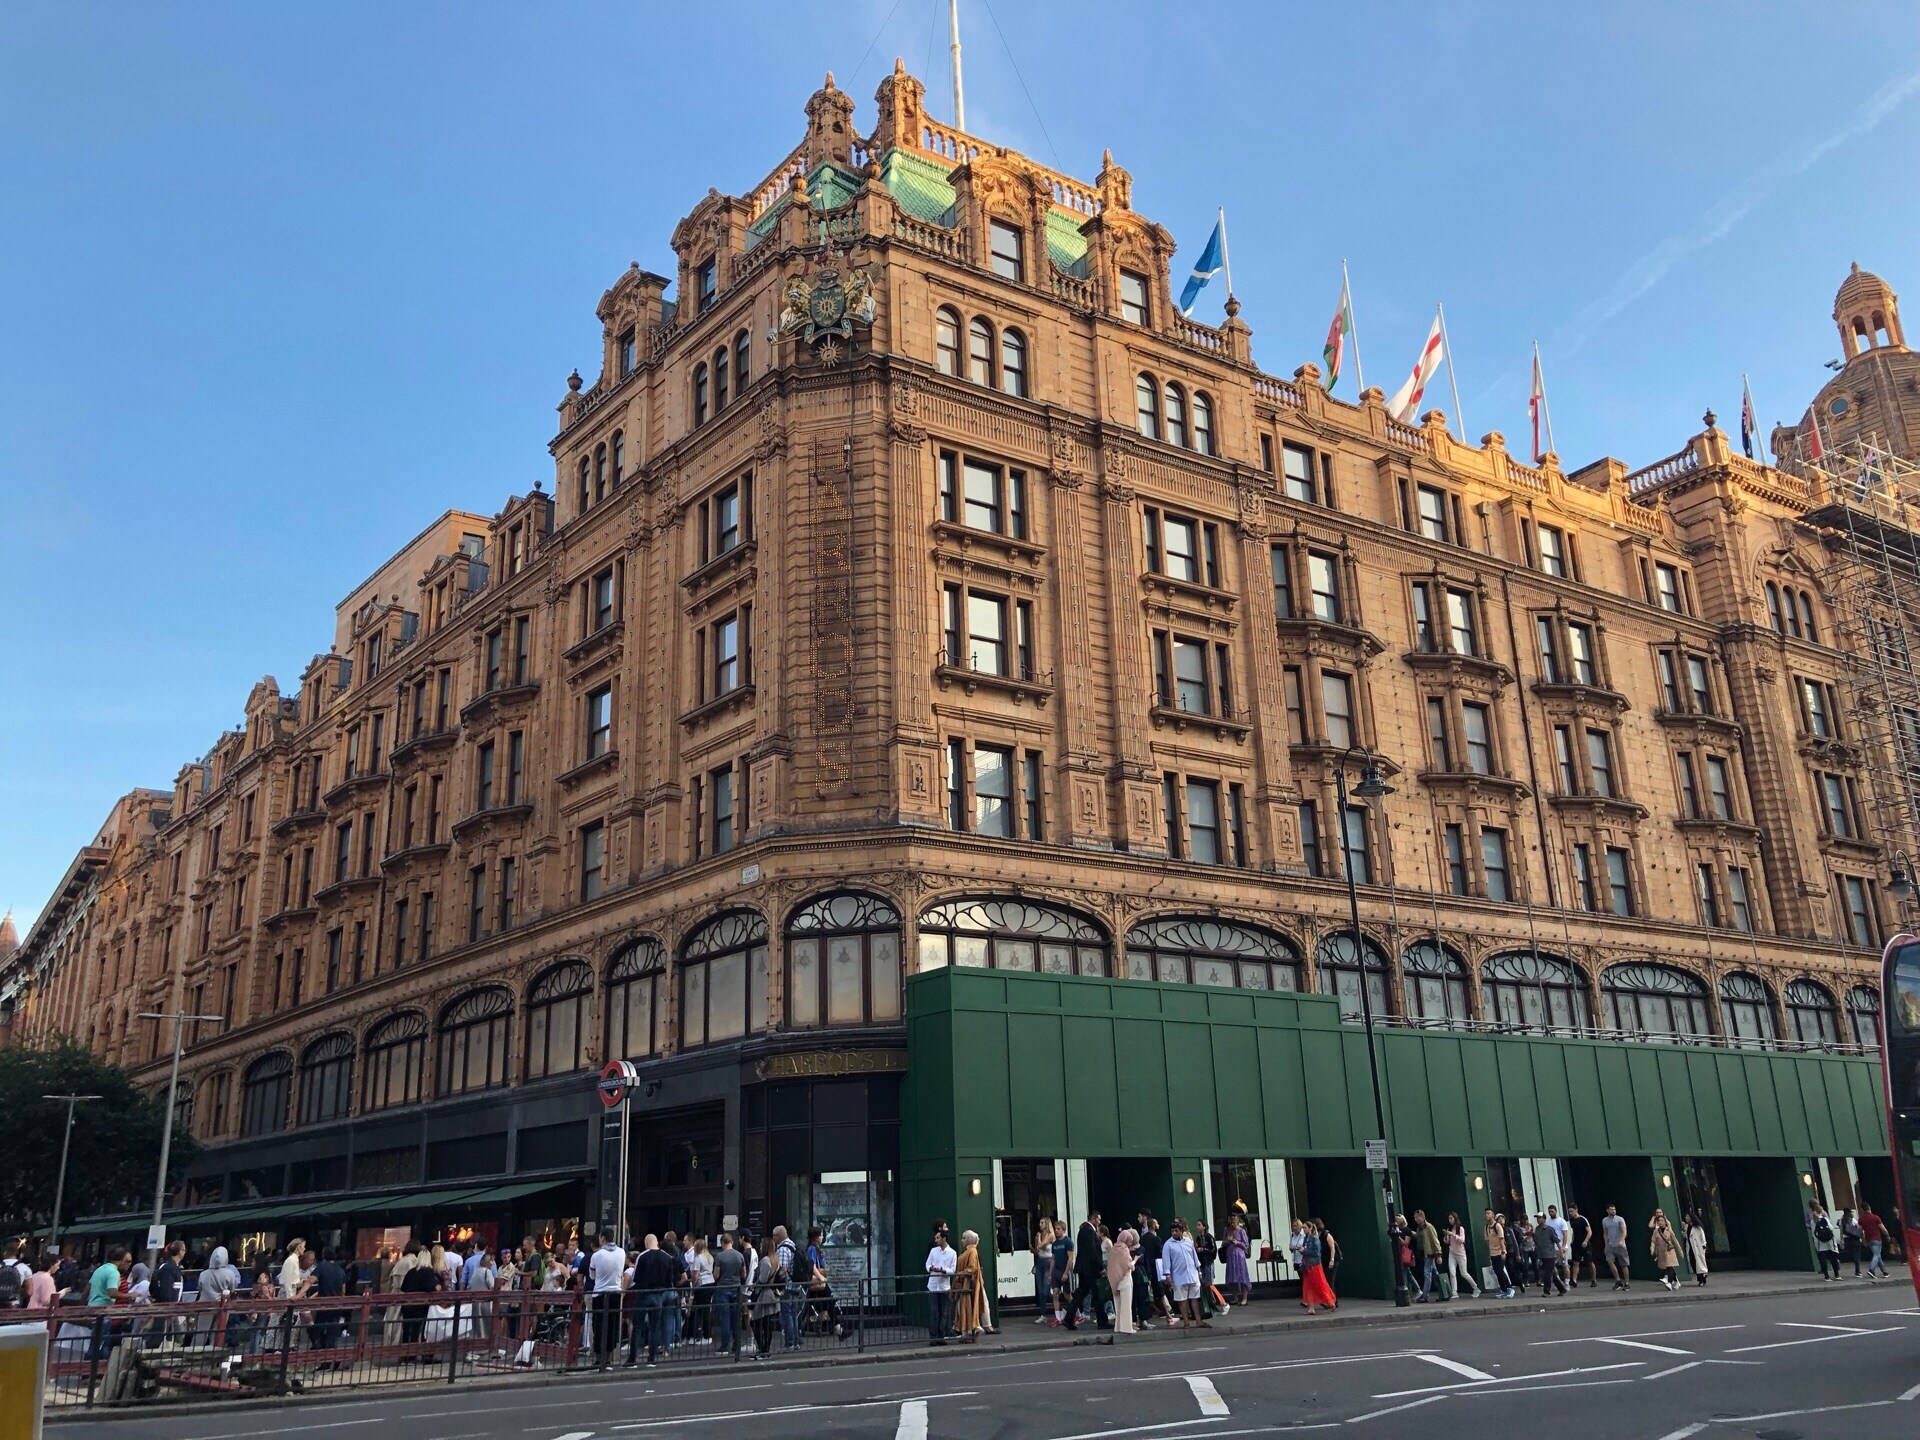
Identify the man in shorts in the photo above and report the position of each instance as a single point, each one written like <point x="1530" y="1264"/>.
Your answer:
<point x="1613" y="1234"/>
<point x="1580" y="1248"/>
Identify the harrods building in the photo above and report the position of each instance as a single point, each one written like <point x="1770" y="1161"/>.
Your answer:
<point x="919" y="603"/>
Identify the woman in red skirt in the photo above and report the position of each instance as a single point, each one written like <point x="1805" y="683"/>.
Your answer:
<point x="1314" y="1290"/>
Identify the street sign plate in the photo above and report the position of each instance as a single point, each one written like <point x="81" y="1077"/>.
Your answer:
<point x="156" y="1237"/>
<point x="1376" y="1154"/>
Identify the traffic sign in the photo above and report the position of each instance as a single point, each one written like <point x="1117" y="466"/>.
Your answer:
<point x="614" y="1081"/>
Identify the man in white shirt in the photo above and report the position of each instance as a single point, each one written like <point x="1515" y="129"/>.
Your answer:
<point x="605" y="1275"/>
<point x="1182" y="1265"/>
<point x="941" y="1263"/>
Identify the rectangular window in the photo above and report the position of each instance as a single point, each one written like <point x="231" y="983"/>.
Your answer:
<point x="720" y="788"/>
<point x="1817" y="709"/>
<point x="627" y="350"/>
<point x="493" y="658"/>
<point x="1190" y="676"/>
<point x="1476" y="724"/>
<point x="1580" y="653"/>
<point x="417" y="721"/>
<point x="335" y="937"/>
<point x="1669" y="680"/>
<point x="483" y="778"/>
<point x="599" y="721"/>
<point x="433" y="809"/>
<point x="1461" y="629"/>
<point x="1358" y="845"/>
<point x="1740" y="897"/>
<point x="1023" y="639"/>
<point x="1720" y="787"/>
<point x="1203" y="822"/>
<point x="728" y="530"/>
<point x="1437" y="733"/>
<point x="1170" y="809"/>
<point x="352" y="766"/>
<point x="1266" y="453"/>
<point x="1493" y="858"/>
<point x="1180" y="548"/>
<point x="509" y="873"/>
<point x="476" y="902"/>
<point x="426" y="926"/>
<point x="342" y="850"/>
<point x="600" y="603"/>
<point x="707" y="284"/>
<point x="993" y="790"/>
<point x="1707" y="896"/>
<point x="1323" y="579"/>
<point x="957" y="784"/>
<point x="1600" y="761"/>
<point x="1237" y="823"/>
<point x="1007" y="245"/>
<point x="1619" y="881"/>
<point x="1282" y="582"/>
<point x="987" y="634"/>
<point x="1456" y="845"/>
<point x="516" y="766"/>
<point x="399" y="933"/>
<point x="1583" y="876"/>
<point x="444" y="701"/>
<point x="1553" y="550"/>
<point x="1296" y="465"/>
<point x="1550" y="667"/>
<point x="1425" y="639"/>
<point x="1833" y="789"/>
<point x="1689" y="785"/>
<point x="1133" y="297"/>
<point x="1290" y="691"/>
<point x="522" y="649"/>
<point x="593" y="860"/>
<point x="366" y="843"/>
<point x="1310" y="838"/>
<point x="1666" y="587"/>
<point x="1031" y="793"/>
<point x="1699" y="685"/>
<point x="1431" y="509"/>
<point x="1336" y="700"/>
<point x="1862" y="926"/>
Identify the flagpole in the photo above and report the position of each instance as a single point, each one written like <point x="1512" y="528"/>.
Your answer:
<point x="1546" y="410"/>
<point x="1346" y="289"/>
<point x="1226" y="261"/>
<point x="1446" y="343"/>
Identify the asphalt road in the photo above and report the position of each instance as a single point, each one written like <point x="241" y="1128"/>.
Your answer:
<point x="1840" y="1364"/>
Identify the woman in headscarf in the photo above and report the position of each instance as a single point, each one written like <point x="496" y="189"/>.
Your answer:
<point x="1120" y="1279"/>
<point x="1234" y="1248"/>
<point x="968" y="1289"/>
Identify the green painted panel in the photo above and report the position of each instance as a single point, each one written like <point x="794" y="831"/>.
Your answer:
<point x="1039" y="1119"/>
<point x="1141" y="1058"/>
<point x="1523" y="1114"/>
<point x="1238" y="1077"/>
<point x="1293" y="1127"/>
<point x="1743" y="1119"/>
<point x="1587" y="1102"/>
<point x="984" y="1124"/>
<point x="1486" y="1110"/>
<point x="1552" y="1106"/>
<point x="1788" y="1095"/>
<point x="1190" y="1077"/>
<point x="1093" y="1125"/>
<point x="1709" y="1107"/>
<point x="1649" y="1108"/>
<point x="1447" y="1083"/>
<point x="1676" y="1089"/>
<point x="1835" y="1110"/>
<point x="1361" y="1116"/>
<point x="1869" y="1098"/>
<point x="1411" y="1110"/>
<point x="1616" y="1092"/>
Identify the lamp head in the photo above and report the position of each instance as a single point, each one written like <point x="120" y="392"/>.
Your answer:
<point x="1371" y="786"/>
<point x="1900" y="886"/>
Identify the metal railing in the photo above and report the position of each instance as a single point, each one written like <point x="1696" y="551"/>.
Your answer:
<point x="246" y="1348"/>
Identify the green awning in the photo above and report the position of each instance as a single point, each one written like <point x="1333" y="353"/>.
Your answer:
<point x="502" y="1193"/>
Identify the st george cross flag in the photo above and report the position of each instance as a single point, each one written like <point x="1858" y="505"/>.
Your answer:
<point x="1749" y="427"/>
<point x="1339" y="334"/>
<point x="1208" y="265"/>
<point x="1405" y="403"/>
<point x="1537" y="406"/>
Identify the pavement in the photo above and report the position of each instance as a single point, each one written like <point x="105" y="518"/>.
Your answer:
<point x="1769" y="1357"/>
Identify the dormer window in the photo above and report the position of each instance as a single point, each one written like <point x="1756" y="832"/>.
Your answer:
<point x="1008" y="250"/>
<point x="1133" y="297"/>
<point x="706" y="281"/>
<point x="626" y="353"/>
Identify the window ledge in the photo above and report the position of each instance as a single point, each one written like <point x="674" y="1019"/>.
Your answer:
<point x="340" y="889"/>
<point x="1236" y="727"/>
<point x="480" y="819"/>
<point x="287" y="824"/>
<point x="1694" y="720"/>
<point x="964" y="538"/>
<point x="400" y="859"/>
<point x="1453" y="663"/>
<point x="291" y="914"/>
<point x="353" y="785"/>
<point x="1600" y="805"/>
<point x="1474" y="780"/>
<point x="734" y="699"/>
<point x="1716" y="828"/>
<point x="422" y="744"/>
<point x="1590" y="699"/>
<point x="1330" y="637"/>
<point x="1205" y="597"/>
<point x="1828" y="752"/>
<point x="608" y="636"/>
<point x="606" y="760"/>
<point x="740" y="557"/>
<point x="1035" y="687"/>
<point x="1849" y="846"/>
<point x="498" y="700"/>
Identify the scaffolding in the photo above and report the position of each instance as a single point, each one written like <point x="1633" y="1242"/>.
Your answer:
<point x="1866" y="509"/>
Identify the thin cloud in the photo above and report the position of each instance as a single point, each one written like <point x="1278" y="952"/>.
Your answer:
<point x="1650" y="269"/>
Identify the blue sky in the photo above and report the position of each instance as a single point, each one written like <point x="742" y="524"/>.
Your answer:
<point x="282" y="282"/>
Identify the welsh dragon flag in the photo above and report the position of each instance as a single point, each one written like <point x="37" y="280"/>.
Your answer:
<point x="1339" y="336"/>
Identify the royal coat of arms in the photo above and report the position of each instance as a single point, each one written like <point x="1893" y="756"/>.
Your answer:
<point x="826" y="305"/>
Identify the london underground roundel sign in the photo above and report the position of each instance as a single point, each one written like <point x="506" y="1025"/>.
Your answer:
<point x="614" y="1081"/>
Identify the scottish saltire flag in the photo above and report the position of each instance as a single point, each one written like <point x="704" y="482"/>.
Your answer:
<point x="1208" y="265"/>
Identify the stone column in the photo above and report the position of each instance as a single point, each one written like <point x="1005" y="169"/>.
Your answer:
<point x="1132" y="784"/>
<point x="1081" y="804"/>
<point x="1276" y="833"/>
<point x="912" y="635"/>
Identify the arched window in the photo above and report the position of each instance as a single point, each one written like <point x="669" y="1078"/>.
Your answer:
<point x="263" y="1094"/>
<point x="1436" y="984"/>
<point x="1863" y="1009"/>
<point x="557" y="1019"/>
<point x="700" y="394"/>
<point x="619" y="457"/>
<point x="1806" y="616"/>
<point x="1203" y="423"/>
<point x="599" y="472"/>
<point x="980" y="352"/>
<point x="946" y="342"/>
<point x="1745" y="1014"/>
<point x="1176" y="415"/>
<point x="637" y="1000"/>
<point x="1337" y="972"/>
<point x="1653" y="999"/>
<point x="1146" y="405"/>
<point x="1011" y="934"/>
<point x="742" y="362"/>
<point x="1811" y="1014"/>
<point x="1774" y="617"/>
<point x="396" y="1062"/>
<point x="1013" y="362"/>
<point x="843" y="961"/>
<point x="326" y="1079"/>
<point x="723" y="979"/>
<point x="586" y="481"/>
<point x="476" y="1032"/>
<point x="1792" y="611"/>
<point x="719" y="379"/>
<point x="1203" y="951"/>
<point x="1534" y="991"/>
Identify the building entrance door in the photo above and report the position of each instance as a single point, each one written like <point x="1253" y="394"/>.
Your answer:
<point x="677" y="1169"/>
<point x="1025" y="1192"/>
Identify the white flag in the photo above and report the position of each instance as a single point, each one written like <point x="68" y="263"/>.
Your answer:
<point x="1405" y="404"/>
<point x="1537" y="406"/>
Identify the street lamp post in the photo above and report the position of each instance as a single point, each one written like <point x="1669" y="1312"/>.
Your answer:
<point x="60" y="1186"/>
<point x="1371" y="787"/>
<point x="179" y="1018"/>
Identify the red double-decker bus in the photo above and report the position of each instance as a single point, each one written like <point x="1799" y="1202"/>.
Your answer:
<point x="1900" y="1058"/>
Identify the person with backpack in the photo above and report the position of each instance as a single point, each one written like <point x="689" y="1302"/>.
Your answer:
<point x="13" y="1280"/>
<point x="1851" y="1236"/>
<point x="1826" y="1244"/>
<point x="819" y="1287"/>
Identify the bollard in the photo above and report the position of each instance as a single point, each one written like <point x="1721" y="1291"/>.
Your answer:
<point x="453" y="1363"/>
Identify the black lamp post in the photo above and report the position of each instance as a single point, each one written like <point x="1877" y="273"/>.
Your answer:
<point x="1371" y="787"/>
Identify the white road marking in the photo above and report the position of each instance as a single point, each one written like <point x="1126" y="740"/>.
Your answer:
<point x="1461" y="1387"/>
<point x="1641" y="1345"/>
<point x="1913" y="1394"/>
<point x="1860" y="1314"/>
<point x="1684" y="1431"/>
<point x="1812" y="1410"/>
<point x="576" y="1435"/>
<point x="1810" y="1325"/>
<point x="1280" y="1364"/>
<point x="913" y="1421"/>
<point x="1141" y="1430"/>
<point x="1456" y="1367"/>
<point x="1393" y="1409"/>
<point x="1641" y="1334"/>
<point x="1476" y="1393"/>
<point x="1211" y="1405"/>
<point x="1663" y="1374"/>
<point x="785" y="1410"/>
<point x="1815" y="1340"/>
